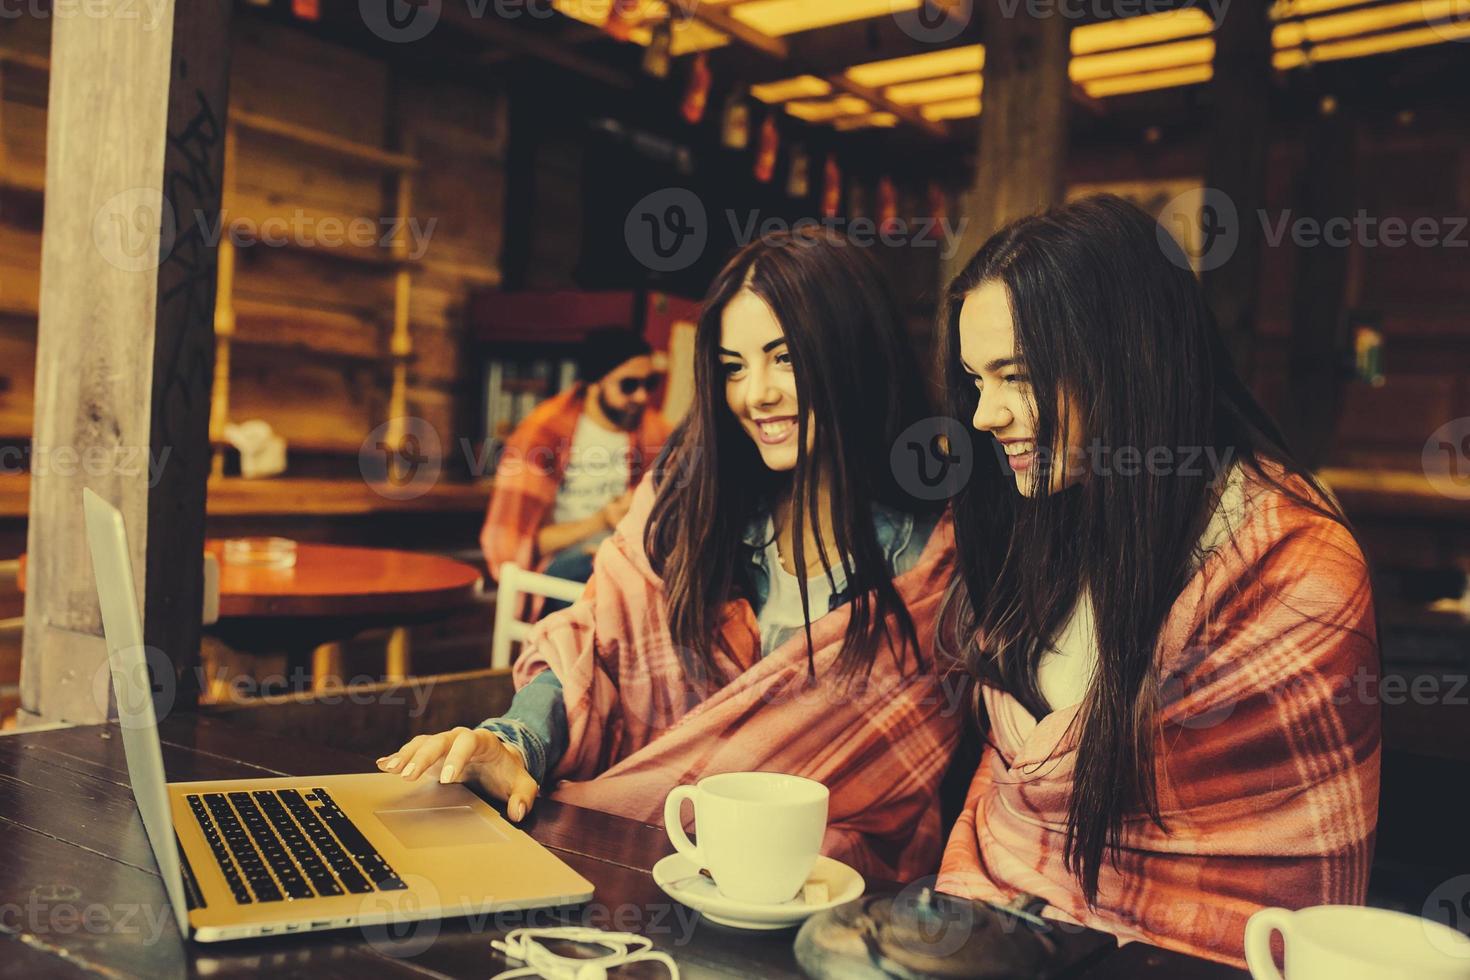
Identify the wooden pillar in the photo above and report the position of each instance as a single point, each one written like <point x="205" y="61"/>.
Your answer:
<point x="1236" y="168"/>
<point x="1324" y="192"/>
<point x="1023" y="127"/>
<point x="125" y="345"/>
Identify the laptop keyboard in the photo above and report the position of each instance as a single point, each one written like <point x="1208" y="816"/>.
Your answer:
<point x="274" y="845"/>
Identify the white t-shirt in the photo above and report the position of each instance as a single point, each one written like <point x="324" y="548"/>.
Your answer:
<point x="1065" y="672"/>
<point x="781" y="616"/>
<point x="597" y="472"/>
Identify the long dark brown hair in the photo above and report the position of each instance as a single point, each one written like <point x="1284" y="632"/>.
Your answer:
<point x="857" y="381"/>
<point x="1107" y="313"/>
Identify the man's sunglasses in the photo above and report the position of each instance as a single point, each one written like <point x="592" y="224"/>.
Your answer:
<point x="629" y="385"/>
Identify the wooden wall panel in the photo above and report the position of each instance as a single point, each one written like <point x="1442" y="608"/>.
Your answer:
<point x="17" y="375"/>
<point x="20" y="269"/>
<point x="291" y="75"/>
<point x="314" y="405"/>
<point x="458" y="134"/>
<point x="313" y="281"/>
<point x="23" y="133"/>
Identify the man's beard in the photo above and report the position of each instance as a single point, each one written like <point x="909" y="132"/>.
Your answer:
<point x="626" y="419"/>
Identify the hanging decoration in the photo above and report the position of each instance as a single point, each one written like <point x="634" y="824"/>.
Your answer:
<point x="307" y="9"/>
<point x="770" y="144"/>
<point x="798" y="177"/>
<point x="1367" y="333"/>
<point x="938" y="208"/>
<point x="696" y="96"/>
<point x="656" y="55"/>
<point x="735" y="124"/>
<point x="887" y="204"/>
<point x="622" y="17"/>
<point x="831" y="187"/>
<point x="857" y="200"/>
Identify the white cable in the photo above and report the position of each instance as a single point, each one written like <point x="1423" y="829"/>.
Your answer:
<point x="527" y="946"/>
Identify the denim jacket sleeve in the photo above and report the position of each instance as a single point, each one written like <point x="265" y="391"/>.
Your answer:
<point x="535" y="725"/>
<point x="901" y="537"/>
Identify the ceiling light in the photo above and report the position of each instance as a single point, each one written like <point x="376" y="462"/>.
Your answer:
<point x="777" y="17"/>
<point x="1177" y="54"/>
<point x="801" y="87"/>
<point x="1148" y="81"/>
<point x="936" y="89"/>
<point x="932" y="64"/>
<point x="951" y="109"/>
<point x="1127" y="32"/>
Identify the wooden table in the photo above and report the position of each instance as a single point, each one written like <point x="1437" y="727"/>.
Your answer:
<point x="332" y="593"/>
<point x="331" y="580"/>
<point x="81" y="897"/>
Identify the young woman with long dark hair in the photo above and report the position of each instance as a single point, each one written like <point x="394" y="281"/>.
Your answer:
<point x="1166" y="615"/>
<point x="768" y="602"/>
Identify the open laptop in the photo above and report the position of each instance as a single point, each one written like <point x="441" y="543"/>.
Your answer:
<point x="258" y="857"/>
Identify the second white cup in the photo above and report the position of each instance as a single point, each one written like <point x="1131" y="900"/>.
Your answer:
<point x="759" y="832"/>
<point x="1348" y="942"/>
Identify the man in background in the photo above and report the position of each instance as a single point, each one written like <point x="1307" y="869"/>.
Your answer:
<point x="567" y="473"/>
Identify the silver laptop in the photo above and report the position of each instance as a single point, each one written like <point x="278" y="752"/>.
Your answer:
<point x="260" y="857"/>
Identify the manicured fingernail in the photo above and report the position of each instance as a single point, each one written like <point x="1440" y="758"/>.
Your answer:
<point x="408" y="770"/>
<point x="446" y="774"/>
<point x="392" y="761"/>
<point x="517" y="810"/>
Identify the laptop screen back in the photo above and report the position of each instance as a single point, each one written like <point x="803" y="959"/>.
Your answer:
<point x="133" y="688"/>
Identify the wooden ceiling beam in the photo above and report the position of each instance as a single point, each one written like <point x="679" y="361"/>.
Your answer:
<point x="716" y="18"/>
<point x="787" y="57"/>
<point x="829" y="51"/>
<point x="531" y="44"/>
<point x="882" y="103"/>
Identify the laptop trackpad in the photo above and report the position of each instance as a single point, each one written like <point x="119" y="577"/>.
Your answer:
<point x="440" y="826"/>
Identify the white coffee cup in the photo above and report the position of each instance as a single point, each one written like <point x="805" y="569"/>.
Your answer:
<point x="759" y="832"/>
<point x="1349" y="942"/>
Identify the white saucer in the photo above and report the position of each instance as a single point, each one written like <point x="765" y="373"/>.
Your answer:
<point x="681" y="881"/>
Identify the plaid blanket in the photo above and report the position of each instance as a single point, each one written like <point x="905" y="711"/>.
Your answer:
<point x="639" y="728"/>
<point x="530" y="470"/>
<point x="1267" y="757"/>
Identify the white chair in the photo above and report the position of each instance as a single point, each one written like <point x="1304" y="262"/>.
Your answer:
<point x="516" y="583"/>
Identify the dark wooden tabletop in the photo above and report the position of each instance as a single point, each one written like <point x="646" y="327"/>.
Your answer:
<point x="80" y="895"/>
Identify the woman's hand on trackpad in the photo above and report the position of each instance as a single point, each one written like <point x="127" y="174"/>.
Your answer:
<point x="468" y="755"/>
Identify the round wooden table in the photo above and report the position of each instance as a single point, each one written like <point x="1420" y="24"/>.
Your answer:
<point x="332" y="580"/>
<point x="331" y="594"/>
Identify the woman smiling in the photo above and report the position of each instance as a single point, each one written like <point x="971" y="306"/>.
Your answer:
<point x="1164" y="648"/>
<point x="768" y="602"/>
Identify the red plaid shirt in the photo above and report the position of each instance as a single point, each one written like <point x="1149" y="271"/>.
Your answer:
<point x="1267" y="757"/>
<point x="530" y="470"/>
